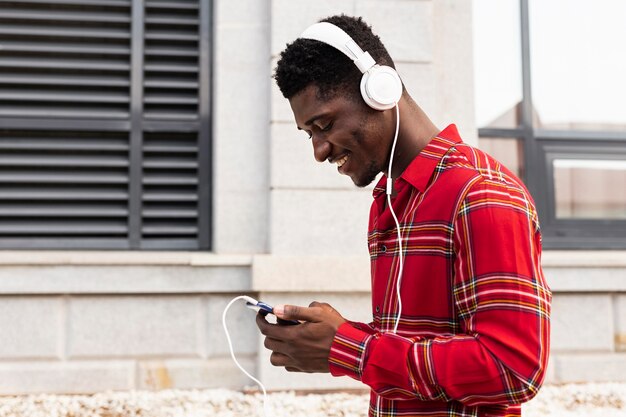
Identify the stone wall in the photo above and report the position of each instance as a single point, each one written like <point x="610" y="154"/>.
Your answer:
<point x="286" y="229"/>
<point x="77" y="322"/>
<point x="588" y="316"/>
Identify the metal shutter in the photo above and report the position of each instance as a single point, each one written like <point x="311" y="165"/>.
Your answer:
<point x="104" y="124"/>
<point x="171" y="60"/>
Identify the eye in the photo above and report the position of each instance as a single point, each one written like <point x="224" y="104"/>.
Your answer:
<point x="327" y="127"/>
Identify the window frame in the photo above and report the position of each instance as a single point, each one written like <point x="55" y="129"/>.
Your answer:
<point x="541" y="147"/>
<point x="136" y="126"/>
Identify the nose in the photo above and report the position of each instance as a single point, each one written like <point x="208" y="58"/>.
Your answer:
<point x="322" y="149"/>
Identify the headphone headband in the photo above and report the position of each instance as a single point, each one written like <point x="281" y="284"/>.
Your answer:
<point x="334" y="36"/>
<point x="381" y="87"/>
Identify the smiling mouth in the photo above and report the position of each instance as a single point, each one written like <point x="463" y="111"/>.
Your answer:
<point x="341" y="161"/>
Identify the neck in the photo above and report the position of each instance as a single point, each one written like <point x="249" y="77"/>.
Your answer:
<point x="416" y="131"/>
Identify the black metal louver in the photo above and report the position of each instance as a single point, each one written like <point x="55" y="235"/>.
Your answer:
<point x="171" y="60"/>
<point x="170" y="183"/>
<point x="63" y="186"/>
<point x="65" y="59"/>
<point x="103" y="137"/>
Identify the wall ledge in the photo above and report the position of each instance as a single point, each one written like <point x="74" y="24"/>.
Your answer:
<point x="53" y="273"/>
<point x="551" y="258"/>
<point x="123" y="258"/>
<point x="46" y="272"/>
<point x="271" y="273"/>
<point x="566" y="271"/>
<point x="584" y="259"/>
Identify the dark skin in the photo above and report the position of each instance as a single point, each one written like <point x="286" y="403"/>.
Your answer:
<point x="345" y="131"/>
<point x="303" y="347"/>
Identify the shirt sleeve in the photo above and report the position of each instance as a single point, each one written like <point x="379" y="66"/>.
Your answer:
<point x="501" y="300"/>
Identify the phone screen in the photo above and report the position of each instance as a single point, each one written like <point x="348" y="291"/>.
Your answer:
<point x="265" y="309"/>
<point x="261" y="307"/>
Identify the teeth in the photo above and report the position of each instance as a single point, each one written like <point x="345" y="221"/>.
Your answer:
<point x="341" y="161"/>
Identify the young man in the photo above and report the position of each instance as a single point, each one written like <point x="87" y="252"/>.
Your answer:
<point x="469" y="333"/>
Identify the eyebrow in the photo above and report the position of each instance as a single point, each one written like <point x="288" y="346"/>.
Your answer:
<point x="312" y="119"/>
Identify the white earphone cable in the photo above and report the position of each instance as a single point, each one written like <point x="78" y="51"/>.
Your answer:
<point x="266" y="412"/>
<point x="395" y="218"/>
<point x="400" y="249"/>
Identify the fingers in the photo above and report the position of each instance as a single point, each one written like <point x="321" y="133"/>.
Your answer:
<point x="286" y="322"/>
<point x="278" y="359"/>
<point x="274" y="345"/>
<point x="305" y="347"/>
<point x="324" y="306"/>
<point x="274" y="330"/>
<point x="289" y="312"/>
<point x="284" y="361"/>
<point x="262" y="323"/>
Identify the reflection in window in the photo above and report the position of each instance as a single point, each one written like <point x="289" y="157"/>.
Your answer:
<point x="510" y="152"/>
<point x="578" y="64"/>
<point x="590" y="189"/>
<point x="497" y="62"/>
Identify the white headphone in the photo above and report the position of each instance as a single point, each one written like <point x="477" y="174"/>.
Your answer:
<point x="381" y="86"/>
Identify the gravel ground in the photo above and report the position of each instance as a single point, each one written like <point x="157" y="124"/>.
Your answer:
<point x="580" y="400"/>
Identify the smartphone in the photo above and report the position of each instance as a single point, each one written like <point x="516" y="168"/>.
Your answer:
<point x="265" y="309"/>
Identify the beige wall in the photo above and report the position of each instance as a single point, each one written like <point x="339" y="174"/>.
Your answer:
<point x="286" y="230"/>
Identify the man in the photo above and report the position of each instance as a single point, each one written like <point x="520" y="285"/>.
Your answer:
<point x="469" y="333"/>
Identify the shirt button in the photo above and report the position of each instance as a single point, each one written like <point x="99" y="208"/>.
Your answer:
<point x="383" y="248"/>
<point x="378" y="309"/>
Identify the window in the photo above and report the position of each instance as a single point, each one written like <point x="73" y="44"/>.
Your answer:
<point x="560" y="119"/>
<point x="105" y="124"/>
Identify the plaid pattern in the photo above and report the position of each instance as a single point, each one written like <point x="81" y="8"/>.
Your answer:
<point x="473" y="339"/>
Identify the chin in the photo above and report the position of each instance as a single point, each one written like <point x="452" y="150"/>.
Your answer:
<point x="364" y="181"/>
<point x="367" y="177"/>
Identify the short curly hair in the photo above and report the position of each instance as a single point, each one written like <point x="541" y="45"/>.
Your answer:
<point x="305" y="62"/>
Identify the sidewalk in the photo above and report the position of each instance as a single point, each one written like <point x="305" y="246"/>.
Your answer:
<point x="584" y="400"/>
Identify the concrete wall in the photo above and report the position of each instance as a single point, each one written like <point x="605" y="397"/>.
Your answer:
<point x="318" y="219"/>
<point x="588" y="315"/>
<point x="307" y="198"/>
<point x="287" y="229"/>
<point x="86" y="322"/>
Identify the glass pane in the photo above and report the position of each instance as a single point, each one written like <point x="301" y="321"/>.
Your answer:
<point x="578" y="59"/>
<point x="590" y="189"/>
<point x="497" y="62"/>
<point x="508" y="151"/>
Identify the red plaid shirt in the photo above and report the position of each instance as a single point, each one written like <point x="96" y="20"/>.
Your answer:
<point x="473" y="339"/>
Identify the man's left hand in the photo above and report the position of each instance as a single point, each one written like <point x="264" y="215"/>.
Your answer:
<point x="304" y="347"/>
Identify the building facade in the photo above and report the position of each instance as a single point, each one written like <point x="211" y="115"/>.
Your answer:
<point x="178" y="181"/>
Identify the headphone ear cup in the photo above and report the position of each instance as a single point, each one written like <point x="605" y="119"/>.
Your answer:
<point x="381" y="87"/>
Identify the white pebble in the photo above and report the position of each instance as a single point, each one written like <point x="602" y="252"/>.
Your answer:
<point x="572" y="400"/>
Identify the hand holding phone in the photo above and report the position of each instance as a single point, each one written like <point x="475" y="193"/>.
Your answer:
<point x="265" y="309"/>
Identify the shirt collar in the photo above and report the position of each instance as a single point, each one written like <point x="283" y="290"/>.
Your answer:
<point x="421" y="169"/>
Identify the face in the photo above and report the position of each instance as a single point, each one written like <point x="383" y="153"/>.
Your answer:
<point x="344" y="132"/>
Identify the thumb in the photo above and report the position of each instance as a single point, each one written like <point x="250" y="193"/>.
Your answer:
<point x="289" y="312"/>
